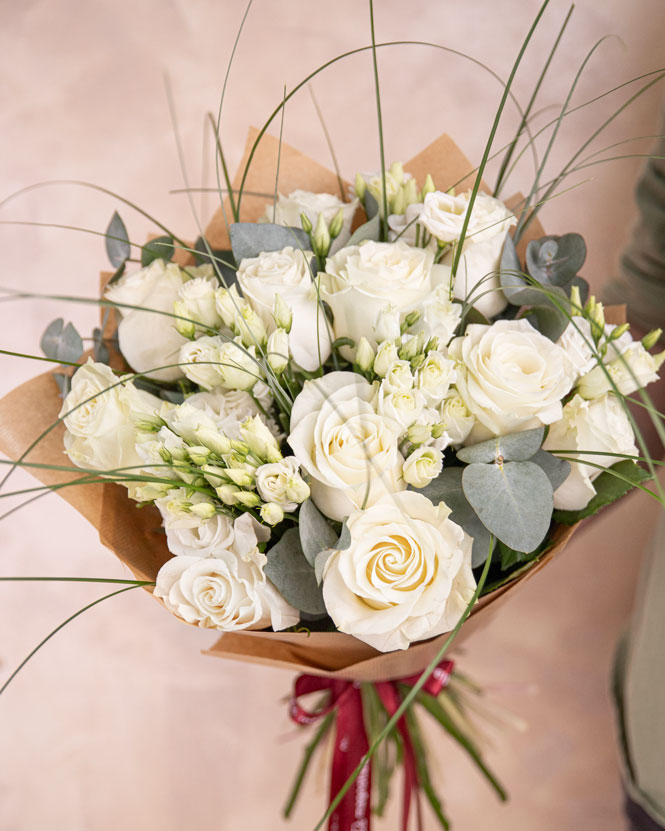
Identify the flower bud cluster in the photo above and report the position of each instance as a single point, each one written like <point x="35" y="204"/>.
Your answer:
<point x="401" y="189"/>
<point x="232" y="474"/>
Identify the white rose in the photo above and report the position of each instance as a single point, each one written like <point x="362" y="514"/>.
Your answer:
<point x="510" y="377"/>
<point x="421" y="466"/>
<point x="599" y="426"/>
<point x="287" y="273"/>
<point x="477" y="277"/>
<point x="456" y="418"/>
<point x="399" y="377"/>
<point x="196" y="302"/>
<point x="577" y="342"/>
<point x="362" y="281"/>
<point x="434" y="377"/>
<point x="150" y="339"/>
<point x="281" y="483"/>
<point x="289" y="208"/>
<point x="349" y="451"/>
<point x="405" y="577"/>
<point x="201" y="359"/>
<point x="443" y="216"/>
<point x="99" y="413"/>
<point x="223" y="592"/>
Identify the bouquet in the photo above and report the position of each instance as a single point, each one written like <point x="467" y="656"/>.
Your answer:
<point x="353" y="416"/>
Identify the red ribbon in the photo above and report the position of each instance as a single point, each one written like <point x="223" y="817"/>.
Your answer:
<point x="351" y="744"/>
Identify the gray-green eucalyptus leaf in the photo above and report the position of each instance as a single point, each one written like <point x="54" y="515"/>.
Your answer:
<point x="556" y="470"/>
<point x="293" y="576"/>
<point x="447" y="488"/>
<point x="514" y="501"/>
<point x="118" y="248"/>
<point x="160" y="248"/>
<point x="316" y="534"/>
<point x="249" y="239"/>
<point x="369" y="230"/>
<point x="556" y="260"/>
<point x="514" y="447"/>
<point x="60" y="342"/>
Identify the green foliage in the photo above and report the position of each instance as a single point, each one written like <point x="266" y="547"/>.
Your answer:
<point x="316" y="534"/>
<point x="611" y="485"/>
<point x="555" y="261"/>
<point x="514" y="447"/>
<point x="369" y="230"/>
<point x="555" y="469"/>
<point x="447" y="488"/>
<point x="60" y="342"/>
<point x="249" y="239"/>
<point x="514" y="501"/>
<point x="221" y="260"/>
<point x="64" y="383"/>
<point x="118" y="248"/>
<point x="100" y="351"/>
<point x="293" y="576"/>
<point x="160" y="248"/>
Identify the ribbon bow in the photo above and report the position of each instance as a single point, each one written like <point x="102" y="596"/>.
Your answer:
<point x="351" y="743"/>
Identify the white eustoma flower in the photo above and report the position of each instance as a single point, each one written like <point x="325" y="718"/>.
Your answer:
<point x="150" y="339"/>
<point x="406" y="575"/>
<point x="226" y="592"/>
<point x="510" y="377"/>
<point x="631" y="370"/>
<point x="187" y="534"/>
<point x="403" y="408"/>
<point x="200" y="361"/>
<point x="421" y="466"/>
<point x="288" y="209"/>
<point x="196" y="302"/>
<point x="287" y="273"/>
<point x="440" y="316"/>
<point x="364" y="283"/>
<point x="577" y="342"/>
<point x="434" y="377"/>
<point x="281" y="484"/>
<point x="100" y="414"/>
<point x="228" y="409"/>
<point x="456" y="418"/>
<point x="599" y="426"/>
<point x="349" y="451"/>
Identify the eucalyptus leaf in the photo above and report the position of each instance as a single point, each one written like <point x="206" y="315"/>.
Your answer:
<point x="548" y="319"/>
<point x="173" y="396"/>
<point x="60" y="342"/>
<point x="556" y="260"/>
<point x="316" y="534"/>
<point x="293" y="576"/>
<point x="100" y="350"/>
<point x="117" y="274"/>
<point x="516" y="289"/>
<point x="474" y="316"/>
<point x="555" y="469"/>
<point x="447" y="488"/>
<point x="371" y="205"/>
<point x="160" y="248"/>
<point x="369" y="230"/>
<point x="609" y="487"/>
<point x="222" y="261"/>
<point x="514" y="501"/>
<point x="249" y="239"/>
<point x="320" y="563"/>
<point x="514" y="447"/>
<point x="118" y="248"/>
<point x="64" y="383"/>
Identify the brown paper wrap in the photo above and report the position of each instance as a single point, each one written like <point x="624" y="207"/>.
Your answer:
<point x="135" y="536"/>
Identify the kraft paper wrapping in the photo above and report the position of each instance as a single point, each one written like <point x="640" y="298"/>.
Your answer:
<point x="30" y="412"/>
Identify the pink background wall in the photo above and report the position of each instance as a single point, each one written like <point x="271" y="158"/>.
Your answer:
<point x="119" y="722"/>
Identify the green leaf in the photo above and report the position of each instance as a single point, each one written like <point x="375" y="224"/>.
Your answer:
<point x="293" y="576"/>
<point x="60" y="342"/>
<point x="514" y="447"/>
<point x="556" y="260"/>
<point x="547" y="317"/>
<point x="221" y="260"/>
<point x="160" y="248"/>
<point x="100" y="350"/>
<point x="516" y="289"/>
<point x="474" y="316"/>
<point x="368" y="230"/>
<point x="510" y="557"/>
<point x="249" y="239"/>
<point x="118" y="248"/>
<point x="117" y="274"/>
<point x="64" y="383"/>
<point x="556" y="469"/>
<point x="514" y="501"/>
<point x="316" y="534"/>
<point x="611" y="485"/>
<point x="371" y="205"/>
<point x="447" y="488"/>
